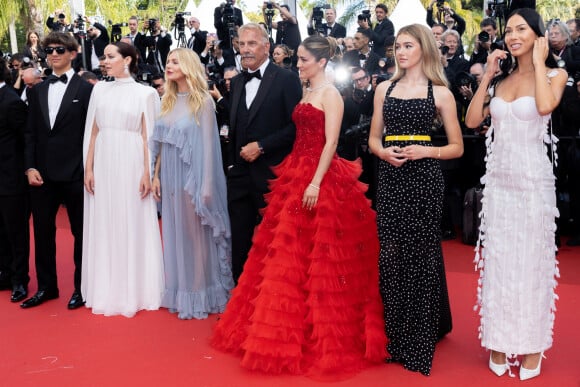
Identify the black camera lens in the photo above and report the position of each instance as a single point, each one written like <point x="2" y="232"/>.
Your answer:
<point x="483" y="37"/>
<point x="61" y="16"/>
<point x="444" y="50"/>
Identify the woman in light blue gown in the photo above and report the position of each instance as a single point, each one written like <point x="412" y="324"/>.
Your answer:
<point x="189" y="175"/>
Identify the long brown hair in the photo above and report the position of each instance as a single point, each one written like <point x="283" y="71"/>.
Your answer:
<point x="431" y="62"/>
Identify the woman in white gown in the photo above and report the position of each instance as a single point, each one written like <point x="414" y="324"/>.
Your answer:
<point x="518" y="253"/>
<point x="122" y="255"/>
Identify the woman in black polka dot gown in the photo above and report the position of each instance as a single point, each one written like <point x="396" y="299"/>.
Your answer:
<point x="410" y="198"/>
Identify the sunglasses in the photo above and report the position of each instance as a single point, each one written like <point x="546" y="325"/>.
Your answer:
<point x="59" y="50"/>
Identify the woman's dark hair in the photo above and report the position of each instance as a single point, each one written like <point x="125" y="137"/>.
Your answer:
<point x="320" y="47"/>
<point x="4" y="72"/>
<point x="534" y="20"/>
<point x="125" y="49"/>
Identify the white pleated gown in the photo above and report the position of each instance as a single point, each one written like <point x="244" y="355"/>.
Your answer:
<point x="122" y="269"/>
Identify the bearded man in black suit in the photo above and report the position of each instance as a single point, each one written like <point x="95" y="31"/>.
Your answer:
<point x="54" y="163"/>
<point x="261" y="135"/>
<point x="14" y="235"/>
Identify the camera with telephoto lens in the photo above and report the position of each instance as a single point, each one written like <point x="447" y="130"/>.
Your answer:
<point x="483" y="37"/>
<point x="444" y="50"/>
<point x="359" y="131"/>
<point x="440" y="3"/>
<point x="269" y="11"/>
<point x="80" y="23"/>
<point x="466" y="79"/>
<point x="365" y="15"/>
<point x="151" y="23"/>
<point x="116" y="32"/>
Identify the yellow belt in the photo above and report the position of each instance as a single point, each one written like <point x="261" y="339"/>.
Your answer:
<point x="408" y="137"/>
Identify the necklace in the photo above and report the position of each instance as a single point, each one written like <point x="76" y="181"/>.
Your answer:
<point x="183" y="94"/>
<point x="312" y="89"/>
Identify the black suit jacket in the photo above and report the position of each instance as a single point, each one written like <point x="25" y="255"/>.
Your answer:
<point x="380" y="34"/>
<point x="270" y="123"/>
<point x="13" y="112"/>
<point x="351" y="58"/>
<point x="198" y="42"/>
<point x="337" y="31"/>
<point x="221" y="28"/>
<point x="57" y="153"/>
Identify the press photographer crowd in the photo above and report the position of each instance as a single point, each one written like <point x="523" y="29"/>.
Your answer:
<point x="361" y="62"/>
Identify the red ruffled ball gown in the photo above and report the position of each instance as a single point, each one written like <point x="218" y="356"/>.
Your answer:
<point x="308" y="301"/>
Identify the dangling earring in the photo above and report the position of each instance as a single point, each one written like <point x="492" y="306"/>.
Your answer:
<point x="126" y="68"/>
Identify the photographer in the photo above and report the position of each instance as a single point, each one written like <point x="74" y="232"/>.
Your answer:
<point x="382" y="30"/>
<point x="95" y="43"/>
<point x="287" y="31"/>
<point x="156" y="45"/>
<point x="330" y="28"/>
<point x="198" y="38"/>
<point x="451" y="19"/>
<point x="221" y="95"/>
<point x="215" y="57"/>
<point x="362" y="56"/>
<point x="158" y="83"/>
<point x="60" y="24"/>
<point x="226" y="20"/>
<point x="484" y="41"/>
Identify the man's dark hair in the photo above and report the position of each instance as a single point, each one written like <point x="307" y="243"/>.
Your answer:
<point x="357" y="69"/>
<point x="89" y="76"/>
<point x="444" y="26"/>
<point x="157" y="77"/>
<point x="4" y="72"/>
<point x="365" y="32"/>
<point x="383" y="7"/>
<point x="488" y="21"/>
<point x="62" y="39"/>
<point x="575" y="21"/>
<point x="285" y="6"/>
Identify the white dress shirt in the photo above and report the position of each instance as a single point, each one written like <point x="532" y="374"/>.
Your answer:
<point x="55" y="94"/>
<point x="254" y="84"/>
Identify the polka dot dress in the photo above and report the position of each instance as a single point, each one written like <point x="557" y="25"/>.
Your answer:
<point x="409" y="208"/>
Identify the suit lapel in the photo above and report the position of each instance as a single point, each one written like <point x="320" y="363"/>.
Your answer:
<point x="43" y="102"/>
<point x="265" y="84"/>
<point x="69" y="94"/>
<point x="237" y="88"/>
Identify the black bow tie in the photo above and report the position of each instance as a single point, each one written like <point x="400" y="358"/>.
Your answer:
<point x="53" y="78"/>
<point x="248" y="75"/>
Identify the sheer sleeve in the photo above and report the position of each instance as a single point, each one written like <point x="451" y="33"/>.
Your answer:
<point x="151" y="108"/>
<point x="91" y="116"/>
<point x="206" y="181"/>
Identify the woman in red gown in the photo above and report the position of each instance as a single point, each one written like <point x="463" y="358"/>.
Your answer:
<point x="307" y="301"/>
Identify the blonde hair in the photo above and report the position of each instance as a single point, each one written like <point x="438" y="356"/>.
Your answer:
<point x="194" y="73"/>
<point x="431" y="62"/>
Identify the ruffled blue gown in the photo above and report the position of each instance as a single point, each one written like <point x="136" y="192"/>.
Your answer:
<point x="195" y="223"/>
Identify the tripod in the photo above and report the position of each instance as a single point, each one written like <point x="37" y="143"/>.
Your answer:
<point x="181" y="40"/>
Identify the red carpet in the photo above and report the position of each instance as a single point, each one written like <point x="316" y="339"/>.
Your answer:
<point x="52" y="346"/>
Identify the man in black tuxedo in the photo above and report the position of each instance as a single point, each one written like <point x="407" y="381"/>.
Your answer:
<point x="54" y="163"/>
<point x="197" y="40"/>
<point x="331" y="27"/>
<point x="362" y="56"/>
<point x="14" y="234"/>
<point x="261" y="134"/>
<point x="287" y="29"/>
<point x="157" y="44"/>
<point x="226" y="17"/>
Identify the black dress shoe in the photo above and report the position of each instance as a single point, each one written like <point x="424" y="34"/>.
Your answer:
<point x="19" y="293"/>
<point x="76" y="301"/>
<point x="40" y="297"/>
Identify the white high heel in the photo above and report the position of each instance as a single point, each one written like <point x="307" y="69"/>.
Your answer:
<point x="526" y="374"/>
<point x="498" y="369"/>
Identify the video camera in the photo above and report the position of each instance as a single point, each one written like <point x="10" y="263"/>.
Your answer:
<point x="317" y="16"/>
<point x="80" y="24"/>
<point x="269" y="8"/>
<point x="365" y="15"/>
<point x="179" y="21"/>
<point x="116" y="32"/>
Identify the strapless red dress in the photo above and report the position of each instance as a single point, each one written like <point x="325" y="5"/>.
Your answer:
<point x="308" y="301"/>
